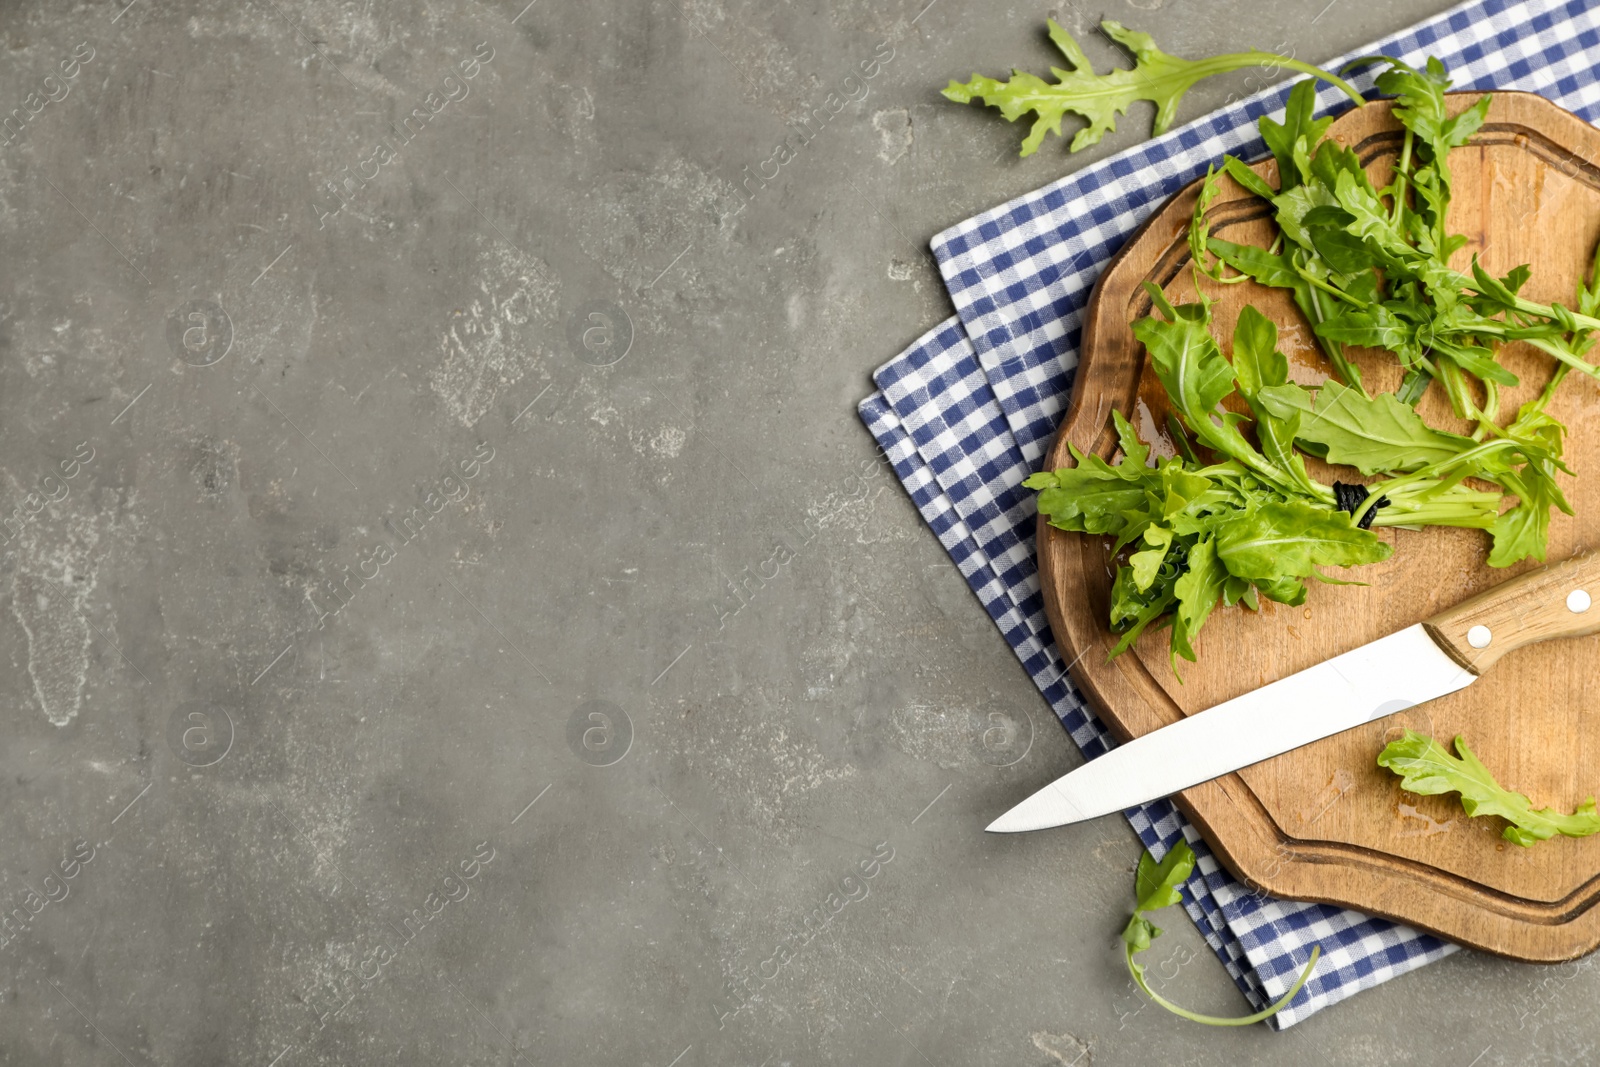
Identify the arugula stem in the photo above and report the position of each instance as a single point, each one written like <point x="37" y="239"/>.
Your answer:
<point x="1545" y="311"/>
<point x="1214" y="1020"/>
<point x="1222" y="64"/>
<point x="1455" y="388"/>
<point x="1481" y="517"/>
<point x="1401" y="172"/>
<point x="1331" y="290"/>
<point x="1431" y="471"/>
<point x="1565" y="355"/>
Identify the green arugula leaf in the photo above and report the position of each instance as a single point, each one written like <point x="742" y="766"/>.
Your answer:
<point x="1292" y="140"/>
<point x="1200" y="226"/>
<point x="1373" y="434"/>
<point x="1291" y="538"/>
<point x="1187" y="359"/>
<point x="1265" y="267"/>
<point x="1198" y="590"/>
<point x="1157" y="886"/>
<point x="1257" y="363"/>
<point x="1295" y="205"/>
<point x="1427" y="768"/>
<point x="1524" y="531"/>
<point x="1156" y="76"/>
<point x="1252" y="182"/>
<point x="1146" y="565"/>
<point x="1374" y="326"/>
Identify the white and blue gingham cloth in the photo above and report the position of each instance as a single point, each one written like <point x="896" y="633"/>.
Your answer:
<point x="967" y="412"/>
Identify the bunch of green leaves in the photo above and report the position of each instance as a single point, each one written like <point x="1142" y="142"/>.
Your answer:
<point x="1248" y="520"/>
<point x="1370" y="267"/>
<point x="1157" y="886"/>
<point x="1427" y="768"/>
<point x="1155" y="76"/>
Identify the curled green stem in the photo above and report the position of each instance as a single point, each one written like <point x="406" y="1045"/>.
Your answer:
<point x="1217" y="1020"/>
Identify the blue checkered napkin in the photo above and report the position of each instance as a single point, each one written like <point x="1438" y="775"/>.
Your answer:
<point x="963" y="420"/>
<point x="958" y="460"/>
<point x="1020" y="274"/>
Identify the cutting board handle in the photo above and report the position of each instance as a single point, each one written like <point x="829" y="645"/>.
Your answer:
<point x="1556" y="600"/>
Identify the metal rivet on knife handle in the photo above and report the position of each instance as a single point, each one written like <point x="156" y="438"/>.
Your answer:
<point x="1547" y="602"/>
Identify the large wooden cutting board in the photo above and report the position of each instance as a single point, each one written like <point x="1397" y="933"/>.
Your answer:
<point x="1324" y="823"/>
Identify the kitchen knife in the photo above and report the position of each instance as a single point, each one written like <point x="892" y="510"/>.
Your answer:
<point x="1419" y="663"/>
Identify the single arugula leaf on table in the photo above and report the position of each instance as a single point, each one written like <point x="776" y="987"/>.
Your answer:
<point x="1155" y="76"/>
<point x="1427" y="768"/>
<point x="1158" y="885"/>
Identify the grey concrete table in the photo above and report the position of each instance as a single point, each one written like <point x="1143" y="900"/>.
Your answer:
<point x="451" y="613"/>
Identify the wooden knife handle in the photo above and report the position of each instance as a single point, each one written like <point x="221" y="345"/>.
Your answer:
<point x="1556" y="600"/>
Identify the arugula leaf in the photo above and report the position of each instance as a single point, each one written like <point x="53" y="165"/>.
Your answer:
<point x="1200" y="226"/>
<point x="1197" y="590"/>
<point x="1156" y="76"/>
<point x="1157" y="886"/>
<point x="1257" y="363"/>
<point x="1186" y="358"/>
<point x="1146" y="565"/>
<point x="1292" y="140"/>
<point x="1290" y="538"/>
<point x="1373" y="434"/>
<point x="1523" y="531"/>
<point x="1427" y="768"/>
<point x="1252" y="182"/>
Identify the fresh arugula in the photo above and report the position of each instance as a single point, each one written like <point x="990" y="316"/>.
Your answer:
<point x="1157" y="885"/>
<point x="1235" y="515"/>
<point x="1248" y="521"/>
<point x="1426" y="767"/>
<point x="1370" y="267"/>
<point x="1155" y="76"/>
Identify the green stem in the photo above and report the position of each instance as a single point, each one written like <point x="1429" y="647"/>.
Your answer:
<point x="1400" y="172"/>
<point x="1215" y="1020"/>
<point x="1430" y="472"/>
<point x="1565" y="356"/>
<point x="1332" y="291"/>
<point x="1545" y="311"/>
<point x="1205" y="68"/>
<point x="1474" y="514"/>
<point x="1455" y="387"/>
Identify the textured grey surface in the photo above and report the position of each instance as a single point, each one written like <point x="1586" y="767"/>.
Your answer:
<point x="292" y="889"/>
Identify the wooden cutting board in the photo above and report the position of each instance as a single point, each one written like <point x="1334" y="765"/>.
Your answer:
<point x="1324" y="822"/>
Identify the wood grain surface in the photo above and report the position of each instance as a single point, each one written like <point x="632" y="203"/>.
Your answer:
<point x="1324" y="822"/>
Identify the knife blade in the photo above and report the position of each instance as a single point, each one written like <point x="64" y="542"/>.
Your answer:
<point x="1388" y="675"/>
<point x="1419" y="663"/>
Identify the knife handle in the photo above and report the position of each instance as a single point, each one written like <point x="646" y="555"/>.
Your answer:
<point x="1556" y="600"/>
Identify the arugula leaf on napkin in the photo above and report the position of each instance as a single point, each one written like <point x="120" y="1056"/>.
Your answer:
<point x="1155" y="76"/>
<point x="1427" y="768"/>
<point x="1157" y="886"/>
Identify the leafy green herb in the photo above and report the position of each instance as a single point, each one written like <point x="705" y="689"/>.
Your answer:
<point x="1249" y="521"/>
<point x="1426" y="767"/>
<point x="1372" y="434"/>
<point x="1236" y="515"/>
<point x="1370" y="267"/>
<point x="1155" y="76"/>
<point x="1157" y="886"/>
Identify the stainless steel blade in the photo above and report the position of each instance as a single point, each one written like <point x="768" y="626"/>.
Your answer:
<point x="1379" y="678"/>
